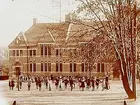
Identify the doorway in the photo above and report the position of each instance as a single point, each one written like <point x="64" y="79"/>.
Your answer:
<point x="18" y="71"/>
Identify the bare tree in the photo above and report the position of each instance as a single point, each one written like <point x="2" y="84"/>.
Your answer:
<point x="4" y="63"/>
<point x="97" y="50"/>
<point x="117" y="19"/>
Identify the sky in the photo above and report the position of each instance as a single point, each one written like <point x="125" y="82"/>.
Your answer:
<point x="17" y="15"/>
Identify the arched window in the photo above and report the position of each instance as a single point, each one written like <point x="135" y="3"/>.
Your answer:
<point x="46" y="66"/>
<point x="31" y="66"/>
<point x="34" y="65"/>
<point x="70" y="66"/>
<point x="57" y="66"/>
<point x="42" y="66"/>
<point x="49" y="66"/>
<point x="41" y="50"/>
<point x="74" y="66"/>
<point x="61" y="67"/>
<point x="83" y="66"/>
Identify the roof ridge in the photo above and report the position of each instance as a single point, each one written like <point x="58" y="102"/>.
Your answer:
<point x="51" y="35"/>
<point x="68" y="33"/>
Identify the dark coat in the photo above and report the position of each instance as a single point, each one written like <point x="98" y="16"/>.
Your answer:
<point x="82" y="84"/>
<point x="93" y="82"/>
<point x="12" y="83"/>
<point x="97" y="81"/>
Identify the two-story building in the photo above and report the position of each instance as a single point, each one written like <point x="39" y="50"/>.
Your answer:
<point x="47" y="48"/>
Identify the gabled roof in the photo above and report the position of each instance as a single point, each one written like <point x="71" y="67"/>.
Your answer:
<point x="41" y="33"/>
<point x="46" y="33"/>
<point x="18" y="41"/>
<point x="81" y="32"/>
<point x="58" y="33"/>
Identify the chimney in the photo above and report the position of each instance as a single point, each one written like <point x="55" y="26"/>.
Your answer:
<point x="34" y="21"/>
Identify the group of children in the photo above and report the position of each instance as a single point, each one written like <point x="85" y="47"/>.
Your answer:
<point x="61" y="83"/>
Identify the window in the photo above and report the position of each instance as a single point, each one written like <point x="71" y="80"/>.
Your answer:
<point x="34" y="52"/>
<point x="42" y="50"/>
<point x="83" y="67"/>
<point x="70" y="66"/>
<point x="17" y="52"/>
<point x="49" y="66"/>
<point x="34" y="67"/>
<point x="46" y="51"/>
<point x="74" y="67"/>
<point x="30" y="66"/>
<point x="21" y="52"/>
<point x="100" y="67"/>
<point x="13" y="52"/>
<point x="49" y="50"/>
<point x="30" y="51"/>
<point x="41" y="66"/>
<point x="56" y="52"/>
<point x="61" y="67"/>
<point x="56" y="66"/>
<point x="46" y="67"/>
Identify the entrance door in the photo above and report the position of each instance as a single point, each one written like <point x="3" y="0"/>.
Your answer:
<point x="18" y="72"/>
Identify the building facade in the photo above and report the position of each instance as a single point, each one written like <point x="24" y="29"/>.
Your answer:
<point x="48" y="49"/>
